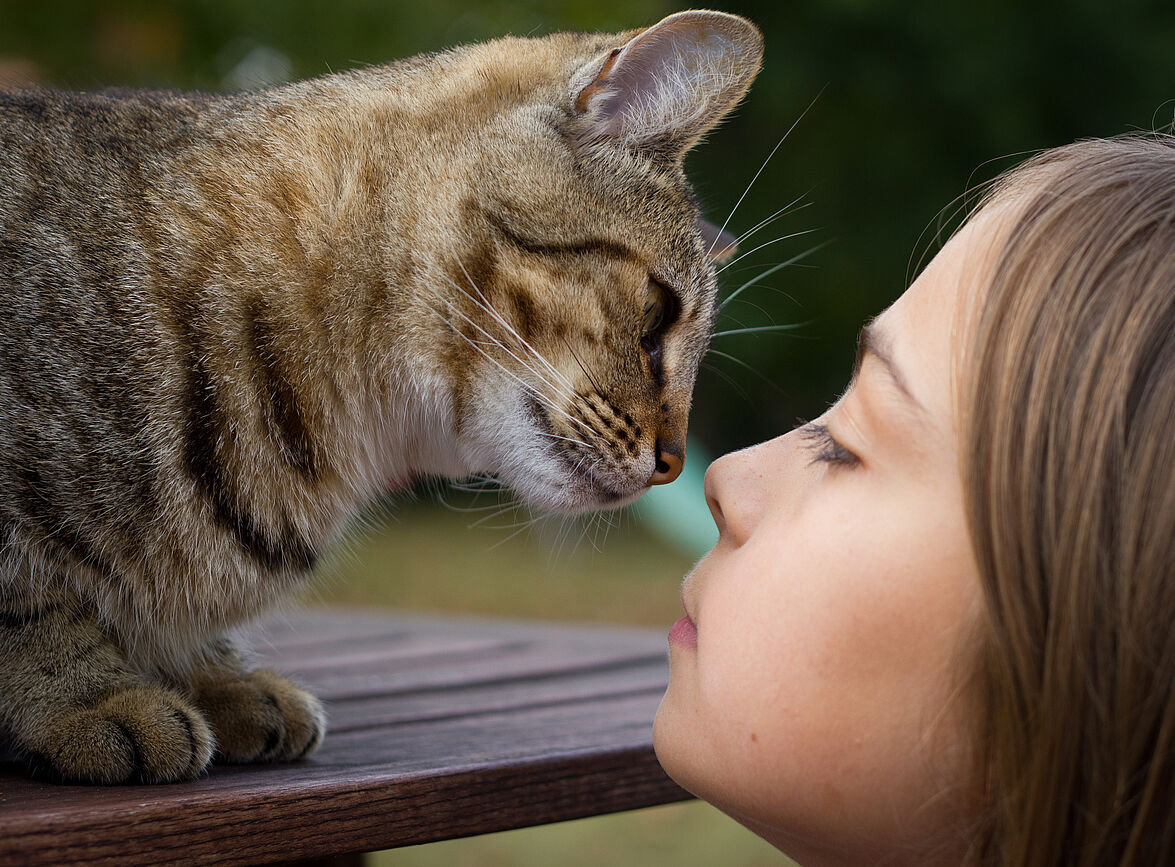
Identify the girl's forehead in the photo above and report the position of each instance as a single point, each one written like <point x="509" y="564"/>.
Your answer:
<point x="931" y="324"/>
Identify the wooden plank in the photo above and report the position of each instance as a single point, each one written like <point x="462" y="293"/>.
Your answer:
<point x="440" y="728"/>
<point x="643" y="679"/>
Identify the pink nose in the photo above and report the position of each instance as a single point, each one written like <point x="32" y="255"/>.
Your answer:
<point x="668" y="467"/>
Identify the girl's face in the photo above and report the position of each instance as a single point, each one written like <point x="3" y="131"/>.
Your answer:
<point x="817" y="682"/>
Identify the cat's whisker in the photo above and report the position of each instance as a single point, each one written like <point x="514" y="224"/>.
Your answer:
<point x="534" y="392"/>
<point x="539" y="396"/>
<point x="477" y="492"/>
<point x="790" y="208"/>
<point x="608" y="524"/>
<point x="757" y="329"/>
<point x="512" y="506"/>
<point x="439" y="496"/>
<point x="530" y="389"/>
<point x="560" y="539"/>
<point x="778" y="144"/>
<point x="737" y="322"/>
<point x="470" y="509"/>
<point x="568" y="525"/>
<point x="774" y="269"/>
<point x="556" y="436"/>
<point x="489" y="308"/>
<point x="554" y="387"/>
<point x="583" y="367"/>
<point x="488" y="479"/>
<point x="743" y="364"/>
<point x="726" y="377"/>
<point x="590" y="473"/>
<point x="595" y="526"/>
<point x="525" y="525"/>
<point x="557" y="387"/>
<point x="508" y="523"/>
<point x="756" y="306"/>
<point x="477" y="484"/>
<point x="584" y="529"/>
<point x="777" y="290"/>
<point x="787" y="237"/>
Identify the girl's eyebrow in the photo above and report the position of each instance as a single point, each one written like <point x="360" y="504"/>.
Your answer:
<point x="874" y="340"/>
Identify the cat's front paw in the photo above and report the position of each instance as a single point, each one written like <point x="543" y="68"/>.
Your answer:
<point x="261" y="717"/>
<point x="142" y="734"/>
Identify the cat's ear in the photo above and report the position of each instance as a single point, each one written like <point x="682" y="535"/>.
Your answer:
<point x="720" y="244"/>
<point x="670" y="84"/>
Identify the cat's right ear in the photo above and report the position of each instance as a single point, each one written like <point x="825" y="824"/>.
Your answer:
<point x="670" y="84"/>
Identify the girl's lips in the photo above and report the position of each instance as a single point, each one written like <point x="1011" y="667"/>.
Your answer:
<point x="684" y="634"/>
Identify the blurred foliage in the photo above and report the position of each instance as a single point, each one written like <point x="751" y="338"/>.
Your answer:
<point x="678" y="835"/>
<point x="482" y="555"/>
<point x="911" y="104"/>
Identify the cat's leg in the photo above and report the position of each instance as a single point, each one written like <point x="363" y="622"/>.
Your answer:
<point x="72" y="704"/>
<point x="257" y="714"/>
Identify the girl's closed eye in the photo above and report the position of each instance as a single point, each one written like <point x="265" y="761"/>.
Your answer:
<point x="825" y="448"/>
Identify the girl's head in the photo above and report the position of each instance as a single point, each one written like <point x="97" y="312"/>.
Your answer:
<point x="940" y="620"/>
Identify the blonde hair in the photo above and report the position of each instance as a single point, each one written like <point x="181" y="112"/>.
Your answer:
<point x="1069" y="474"/>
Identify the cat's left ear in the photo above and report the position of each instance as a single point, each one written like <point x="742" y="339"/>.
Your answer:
<point x="720" y="244"/>
<point x="670" y="84"/>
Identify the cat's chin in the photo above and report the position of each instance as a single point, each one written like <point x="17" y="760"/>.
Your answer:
<point x="554" y="484"/>
<point x="579" y="496"/>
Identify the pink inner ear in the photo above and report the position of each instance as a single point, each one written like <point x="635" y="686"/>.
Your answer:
<point x="597" y="89"/>
<point x="640" y="69"/>
<point x="672" y="82"/>
<point x="637" y="71"/>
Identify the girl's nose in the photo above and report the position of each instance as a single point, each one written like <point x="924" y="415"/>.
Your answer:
<point x="715" y="490"/>
<point x="741" y="486"/>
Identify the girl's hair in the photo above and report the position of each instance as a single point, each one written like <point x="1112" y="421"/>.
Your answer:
<point x="1069" y="473"/>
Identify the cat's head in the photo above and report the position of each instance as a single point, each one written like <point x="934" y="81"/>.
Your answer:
<point x="580" y="293"/>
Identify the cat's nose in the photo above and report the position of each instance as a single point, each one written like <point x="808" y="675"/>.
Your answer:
<point x="668" y="466"/>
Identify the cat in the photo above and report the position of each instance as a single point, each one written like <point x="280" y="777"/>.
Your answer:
<point x="228" y="322"/>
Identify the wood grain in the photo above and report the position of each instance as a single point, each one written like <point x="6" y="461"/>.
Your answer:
<point x="440" y="727"/>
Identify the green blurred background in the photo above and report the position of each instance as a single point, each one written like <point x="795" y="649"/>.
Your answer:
<point x="908" y="105"/>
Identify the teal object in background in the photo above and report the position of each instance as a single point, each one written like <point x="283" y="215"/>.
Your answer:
<point x="677" y="513"/>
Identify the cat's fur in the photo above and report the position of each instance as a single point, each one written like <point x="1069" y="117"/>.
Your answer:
<point x="227" y="322"/>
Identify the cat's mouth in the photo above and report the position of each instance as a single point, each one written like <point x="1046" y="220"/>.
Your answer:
<point x="596" y="492"/>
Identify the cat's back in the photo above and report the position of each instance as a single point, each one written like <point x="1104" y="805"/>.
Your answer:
<point x="113" y="122"/>
<point x="77" y="172"/>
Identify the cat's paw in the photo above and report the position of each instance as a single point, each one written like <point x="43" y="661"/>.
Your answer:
<point x="141" y="734"/>
<point x="261" y="717"/>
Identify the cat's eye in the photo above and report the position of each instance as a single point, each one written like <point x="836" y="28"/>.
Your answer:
<point x="656" y="299"/>
<point x="660" y="311"/>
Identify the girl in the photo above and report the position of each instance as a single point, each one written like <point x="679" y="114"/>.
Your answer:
<point x="939" y="624"/>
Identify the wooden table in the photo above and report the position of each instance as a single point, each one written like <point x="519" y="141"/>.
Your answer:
<point x="440" y="727"/>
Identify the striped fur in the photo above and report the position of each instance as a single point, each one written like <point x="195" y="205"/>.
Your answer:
<point x="228" y="322"/>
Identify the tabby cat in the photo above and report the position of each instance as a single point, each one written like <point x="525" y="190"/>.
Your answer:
<point x="227" y="322"/>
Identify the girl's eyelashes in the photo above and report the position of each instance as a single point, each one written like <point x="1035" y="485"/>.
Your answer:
<point x="825" y="448"/>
